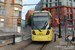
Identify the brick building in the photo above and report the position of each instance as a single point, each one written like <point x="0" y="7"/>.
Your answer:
<point x="10" y="12"/>
<point x="52" y="7"/>
<point x="27" y="15"/>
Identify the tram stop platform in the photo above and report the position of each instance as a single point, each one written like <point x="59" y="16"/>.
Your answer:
<point x="60" y="42"/>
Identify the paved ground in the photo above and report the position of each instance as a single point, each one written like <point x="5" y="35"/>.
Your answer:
<point x="16" y="46"/>
<point x="60" y="44"/>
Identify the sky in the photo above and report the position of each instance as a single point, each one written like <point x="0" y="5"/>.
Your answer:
<point x="26" y="8"/>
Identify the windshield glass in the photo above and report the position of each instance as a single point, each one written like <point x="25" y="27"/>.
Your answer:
<point x="40" y="22"/>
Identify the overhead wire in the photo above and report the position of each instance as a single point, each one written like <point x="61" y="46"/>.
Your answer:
<point x="35" y="4"/>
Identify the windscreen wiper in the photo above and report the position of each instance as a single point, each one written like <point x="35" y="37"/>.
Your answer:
<point x="36" y="27"/>
<point x="45" y="25"/>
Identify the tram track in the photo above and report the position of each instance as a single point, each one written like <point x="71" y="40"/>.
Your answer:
<point x="24" y="46"/>
<point x="35" y="44"/>
<point x="43" y="46"/>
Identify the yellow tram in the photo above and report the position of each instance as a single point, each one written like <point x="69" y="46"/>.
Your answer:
<point x="41" y="26"/>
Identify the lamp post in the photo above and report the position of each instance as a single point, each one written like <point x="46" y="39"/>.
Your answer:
<point x="65" y="18"/>
<point x="72" y="16"/>
<point x="59" y="21"/>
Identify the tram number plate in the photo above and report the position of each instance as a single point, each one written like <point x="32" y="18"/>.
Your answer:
<point x="40" y="34"/>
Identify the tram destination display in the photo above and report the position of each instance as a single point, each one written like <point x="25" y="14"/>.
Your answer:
<point x="40" y="14"/>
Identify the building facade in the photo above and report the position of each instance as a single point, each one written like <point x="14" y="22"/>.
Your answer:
<point x="23" y="23"/>
<point x="27" y="15"/>
<point x="52" y="7"/>
<point x="10" y="12"/>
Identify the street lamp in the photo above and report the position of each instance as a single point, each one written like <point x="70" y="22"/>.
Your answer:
<point x="59" y="21"/>
<point x="72" y="16"/>
<point x="65" y="18"/>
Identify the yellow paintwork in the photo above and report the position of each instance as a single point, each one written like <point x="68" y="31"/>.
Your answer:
<point x="42" y="11"/>
<point x="41" y="36"/>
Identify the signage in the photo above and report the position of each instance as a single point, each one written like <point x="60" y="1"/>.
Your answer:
<point x="40" y="14"/>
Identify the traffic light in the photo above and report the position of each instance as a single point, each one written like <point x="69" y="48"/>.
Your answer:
<point x="57" y="21"/>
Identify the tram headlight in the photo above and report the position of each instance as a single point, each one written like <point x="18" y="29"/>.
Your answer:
<point x="47" y="32"/>
<point x="33" y="33"/>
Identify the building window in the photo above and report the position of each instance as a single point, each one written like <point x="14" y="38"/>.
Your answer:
<point x="20" y="13"/>
<point x="20" y="9"/>
<point x="2" y="8"/>
<point x="50" y="0"/>
<point x="70" y="16"/>
<point x="56" y="16"/>
<point x="18" y="1"/>
<point x="1" y="24"/>
<point x="46" y="5"/>
<point x="46" y="0"/>
<point x="70" y="4"/>
<point x="1" y="0"/>
<point x="59" y="3"/>
<point x="67" y="9"/>
<point x="50" y="10"/>
<point x="60" y="16"/>
<point x="16" y="13"/>
<point x="67" y="3"/>
<point x="2" y="12"/>
<point x="70" y="10"/>
<point x="55" y="4"/>
<point x="19" y="24"/>
<point x="50" y="5"/>
<point x="69" y="22"/>
<point x="60" y="9"/>
<point x="55" y="0"/>
<point x="56" y="9"/>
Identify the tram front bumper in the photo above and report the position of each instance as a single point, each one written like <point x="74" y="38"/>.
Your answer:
<point x="41" y="38"/>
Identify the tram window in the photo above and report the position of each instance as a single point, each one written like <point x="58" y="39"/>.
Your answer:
<point x="56" y="16"/>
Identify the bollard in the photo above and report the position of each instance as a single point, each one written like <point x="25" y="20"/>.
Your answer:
<point x="54" y="37"/>
<point x="13" y="39"/>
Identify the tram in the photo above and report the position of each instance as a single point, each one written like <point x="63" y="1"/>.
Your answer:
<point x="41" y="26"/>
